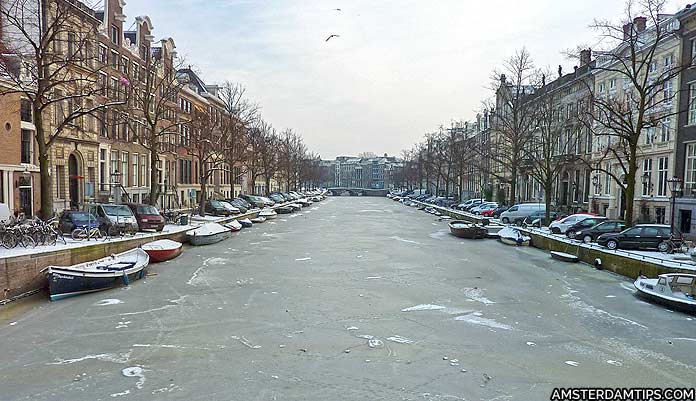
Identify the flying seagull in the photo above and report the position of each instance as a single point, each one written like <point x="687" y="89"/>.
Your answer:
<point x="332" y="36"/>
<point x="337" y="9"/>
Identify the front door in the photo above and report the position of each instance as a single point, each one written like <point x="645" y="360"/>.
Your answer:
<point x="73" y="182"/>
<point x="25" y="196"/>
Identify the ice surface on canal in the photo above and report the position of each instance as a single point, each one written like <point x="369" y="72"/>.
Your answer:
<point x="408" y="241"/>
<point x="429" y="307"/>
<point x="115" y="358"/>
<point x="477" y="295"/>
<point x="135" y="371"/>
<point x="400" y="340"/>
<point x="572" y="363"/>
<point x="482" y="321"/>
<point x="302" y="259"/>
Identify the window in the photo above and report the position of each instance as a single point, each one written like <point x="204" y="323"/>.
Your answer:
<point x="692" y="104"/>
<point x="647" y="170"/>
<point x="660" y="215"/>
<point x="103" y="55"/>
<point x="125" y="65"/>
<point x="653" y="66"/>
<point x="143" y="171"/>
<point x="649" y="135"/>
<point x="667" y="92"/>
<point x="634" y="231"/>
<point x="662" y="176"/>
<point x="26" y="142"/>
<point x="601" y="87"/>
<point x="26" y="111"/>
<point x="669" y="60"/>
<point x="112" y="88"/>
<point x="612" y="83"/>
<point x="607" y="180"/>
<point x="60" y="182"/>
<point x="124" y="168"/>
<point x="134" y="172"/>
<point x="114" y="59"/>
<point x="136" y="72"/>
<point x="72" y="44"/>
<point x="665" y="128"/>
<point x="114" y="161"/>
<point x="115" y="35"/>
<point x="102" y="170"/>
<point x="690" y="166"/>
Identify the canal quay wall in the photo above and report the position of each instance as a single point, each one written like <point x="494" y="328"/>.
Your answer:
<point x="24" y="275"/>
<point x="626" y="263"/>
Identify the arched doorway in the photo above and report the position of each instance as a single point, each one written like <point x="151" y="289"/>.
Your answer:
<point x="73" y="182"/>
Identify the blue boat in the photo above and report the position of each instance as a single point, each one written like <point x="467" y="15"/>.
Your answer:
<point x="101" y="274"/>
<point x="246" y="223"/>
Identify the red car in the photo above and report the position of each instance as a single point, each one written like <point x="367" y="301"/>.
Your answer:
<point x="148" y="217"/>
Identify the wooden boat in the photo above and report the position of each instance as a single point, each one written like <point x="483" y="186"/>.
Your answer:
<point x="565" y="257"/>
<point x="245" y="222"/>
<point x="675" y="290"/>
<point x="511" y="236"/>
<point x="463" y="229"/>
<point x="258" y="219"/>
<point x="162" y="250"/>
<point x="233" y="225"/>
<point x="97" y="275"/>
<point x="207" y="234"/>
<point x="268" y="214"/>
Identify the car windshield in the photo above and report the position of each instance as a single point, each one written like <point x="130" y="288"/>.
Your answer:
<point x="117" y="210"/>
<point x="82" y="216"/>
<point x="147" y="210"/>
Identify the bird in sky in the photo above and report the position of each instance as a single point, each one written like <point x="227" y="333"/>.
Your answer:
<point x="332" y="36"/>
<point x="337" y="9"/>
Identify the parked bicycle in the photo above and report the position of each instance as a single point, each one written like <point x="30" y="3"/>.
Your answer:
<point x="85" y="232"/>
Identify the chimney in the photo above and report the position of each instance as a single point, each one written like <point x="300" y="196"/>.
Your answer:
<point x="585" y="57"/>
<point x="639" y="23"/>
<point x="627" y="28"/>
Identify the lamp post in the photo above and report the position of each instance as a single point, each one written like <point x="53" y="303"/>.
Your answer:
<point x="647" y="185"/>
<point x="675" y="187"/>
<point x="115" y="185"/>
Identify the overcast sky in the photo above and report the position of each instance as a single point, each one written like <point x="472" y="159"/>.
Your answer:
<point x="399" y="69"/>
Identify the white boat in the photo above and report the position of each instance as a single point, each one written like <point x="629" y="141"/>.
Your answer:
<point x="258" y="219"/>
<point x="97" y="275"/>
<point x="233" y="225"/>
<point x="512" y="236"/>
<point x="493" y="230"/>
<point x="565" y="257"/>
<point x="268" y="214"/>
<point x="162" y="250"/>
<point x="207" y="234"/>
<point x="676" y="290"/>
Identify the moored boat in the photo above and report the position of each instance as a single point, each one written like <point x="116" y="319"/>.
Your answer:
<point x="97" y="275"/>
<point x="464" y="229"/>
<point x="565" y="257"/>
<point x="162" y="250"/>
<point x="245" y="222"/>
<point x="207" y="234"/>
<point x="233" y="225"/>
<point x="268" y="214"/>
<point x="512" y="236"/>
<point x="492" y="230"/>
<point x="675" y="290"/>
<point x="258" y="219"/>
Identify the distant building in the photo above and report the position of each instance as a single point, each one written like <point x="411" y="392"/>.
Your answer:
<point x="366" y="172"/>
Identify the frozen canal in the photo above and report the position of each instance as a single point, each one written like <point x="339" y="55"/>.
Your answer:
<point x="354" y="299"/>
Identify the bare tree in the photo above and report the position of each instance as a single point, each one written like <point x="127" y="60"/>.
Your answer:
<point x="49" y="59"/>
<point x="152" y="114"/>
<point x="641" y="97"/>
<point x="513" y="121"/>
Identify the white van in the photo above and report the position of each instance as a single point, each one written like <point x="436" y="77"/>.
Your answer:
<point x="520" y="211"/>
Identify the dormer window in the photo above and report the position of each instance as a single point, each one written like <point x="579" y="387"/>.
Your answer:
<point x="115" y="35"/>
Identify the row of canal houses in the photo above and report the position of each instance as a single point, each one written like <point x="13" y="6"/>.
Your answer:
<point x="86" y="164"/>
<point x="666" y="151"/>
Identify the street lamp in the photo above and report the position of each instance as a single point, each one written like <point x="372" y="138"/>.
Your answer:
<point x="675" y="186"/>
<point x="115" y="185"/>
<point x="646" y="183"/>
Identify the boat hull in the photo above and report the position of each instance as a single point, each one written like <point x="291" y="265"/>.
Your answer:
<point x="163" y="255"/>
<point x="511" y="241"/>
<point x="565" y="257"/>
<point x="198" y="240"/>
<point x="469" y="231"/>
<point x="64" y="285"/>
<point x="668" y="302"/>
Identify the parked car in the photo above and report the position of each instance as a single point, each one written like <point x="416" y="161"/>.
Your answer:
<point x="216" y="208"/>
<point x="470" y="203"/>
<point x="562" y="225"/>
<point x="110" y="214"/>
<point x="495" y="213"/>
<point x="72" y="219"/>
<point x="538" y="219"/>
<point x="233" y="209"/>
<point x="582" y="224"/>
<point x="642" y="236"/>
<point x="483" y="206"/>
<point x="520" y="211"/>
<point x="147" y="216"/>
<point x="255" y="201"/>
<point x="239" y="204"/>
<point x="590" y="234"/>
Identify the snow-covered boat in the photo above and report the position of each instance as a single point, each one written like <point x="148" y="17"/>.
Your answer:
<point x="245" y="222"/>
<point x="565" y="257"/>
<point x="233" y="225"/>
<point x="512" y="236"/>
<point x="97" y="275"/>
<point x="676" y="290"/>
<point x="268" y="214"/>
<point x="258" y="219"/>
<point x="493" y="230"/>
<point x="207" y="234"/>
<point x="162" y="250"/>
<point x="463" y="229"/>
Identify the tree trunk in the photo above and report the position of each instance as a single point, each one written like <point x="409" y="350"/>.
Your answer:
<point x="268" y="184"/>
<point x="203" y="198"/>
<point x="548" y="190"/>
<point x="513" y="184"/>
<point x="154" y="178"/>
<point x="630" y="186"/>
<point x="46" y="211"/>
